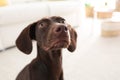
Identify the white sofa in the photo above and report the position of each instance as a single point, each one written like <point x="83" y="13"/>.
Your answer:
<point x="14" y="18"/>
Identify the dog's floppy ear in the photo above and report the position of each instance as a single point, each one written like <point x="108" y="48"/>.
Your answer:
<point x="73" y="38"/>
<point x="24" y="40"/>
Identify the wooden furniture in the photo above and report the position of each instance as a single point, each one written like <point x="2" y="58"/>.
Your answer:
<point x="103" y="13"/>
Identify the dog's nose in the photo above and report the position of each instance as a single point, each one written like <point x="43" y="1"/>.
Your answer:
<point x="61" y="28"/>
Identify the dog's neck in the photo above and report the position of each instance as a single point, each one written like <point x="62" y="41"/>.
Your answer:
<point x="51" y="56"/>
<point x="53" y="61"/>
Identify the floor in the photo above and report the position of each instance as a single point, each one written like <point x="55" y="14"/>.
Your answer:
<point x="96" y="58"/>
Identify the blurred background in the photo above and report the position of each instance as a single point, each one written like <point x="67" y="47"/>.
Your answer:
<point x="97" y="23"/>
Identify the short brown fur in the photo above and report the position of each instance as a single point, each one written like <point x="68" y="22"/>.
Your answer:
<point x="51" y="34"/>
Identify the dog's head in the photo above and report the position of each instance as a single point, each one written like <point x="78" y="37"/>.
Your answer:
<point x="51" y="33"/>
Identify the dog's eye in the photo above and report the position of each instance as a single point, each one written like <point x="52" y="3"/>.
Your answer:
<point x="43" y="24"/>
<point x="61" y="21"/>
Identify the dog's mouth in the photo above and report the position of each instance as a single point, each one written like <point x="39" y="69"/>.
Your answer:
<point x="58" y="44"/>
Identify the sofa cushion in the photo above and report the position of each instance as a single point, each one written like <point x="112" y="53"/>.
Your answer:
<point x="22" y="13"/>
<point x="63" y="8"/>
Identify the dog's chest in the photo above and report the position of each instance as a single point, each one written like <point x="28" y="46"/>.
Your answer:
<point x="51" y="71"/>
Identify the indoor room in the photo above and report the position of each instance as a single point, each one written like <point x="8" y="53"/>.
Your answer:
<point x="96" y="51"/>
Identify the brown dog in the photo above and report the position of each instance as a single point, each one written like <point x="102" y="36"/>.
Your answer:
<point x="52" y="34"/>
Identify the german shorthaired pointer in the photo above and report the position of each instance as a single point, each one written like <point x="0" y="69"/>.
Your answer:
<point x="51" y="34"/>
